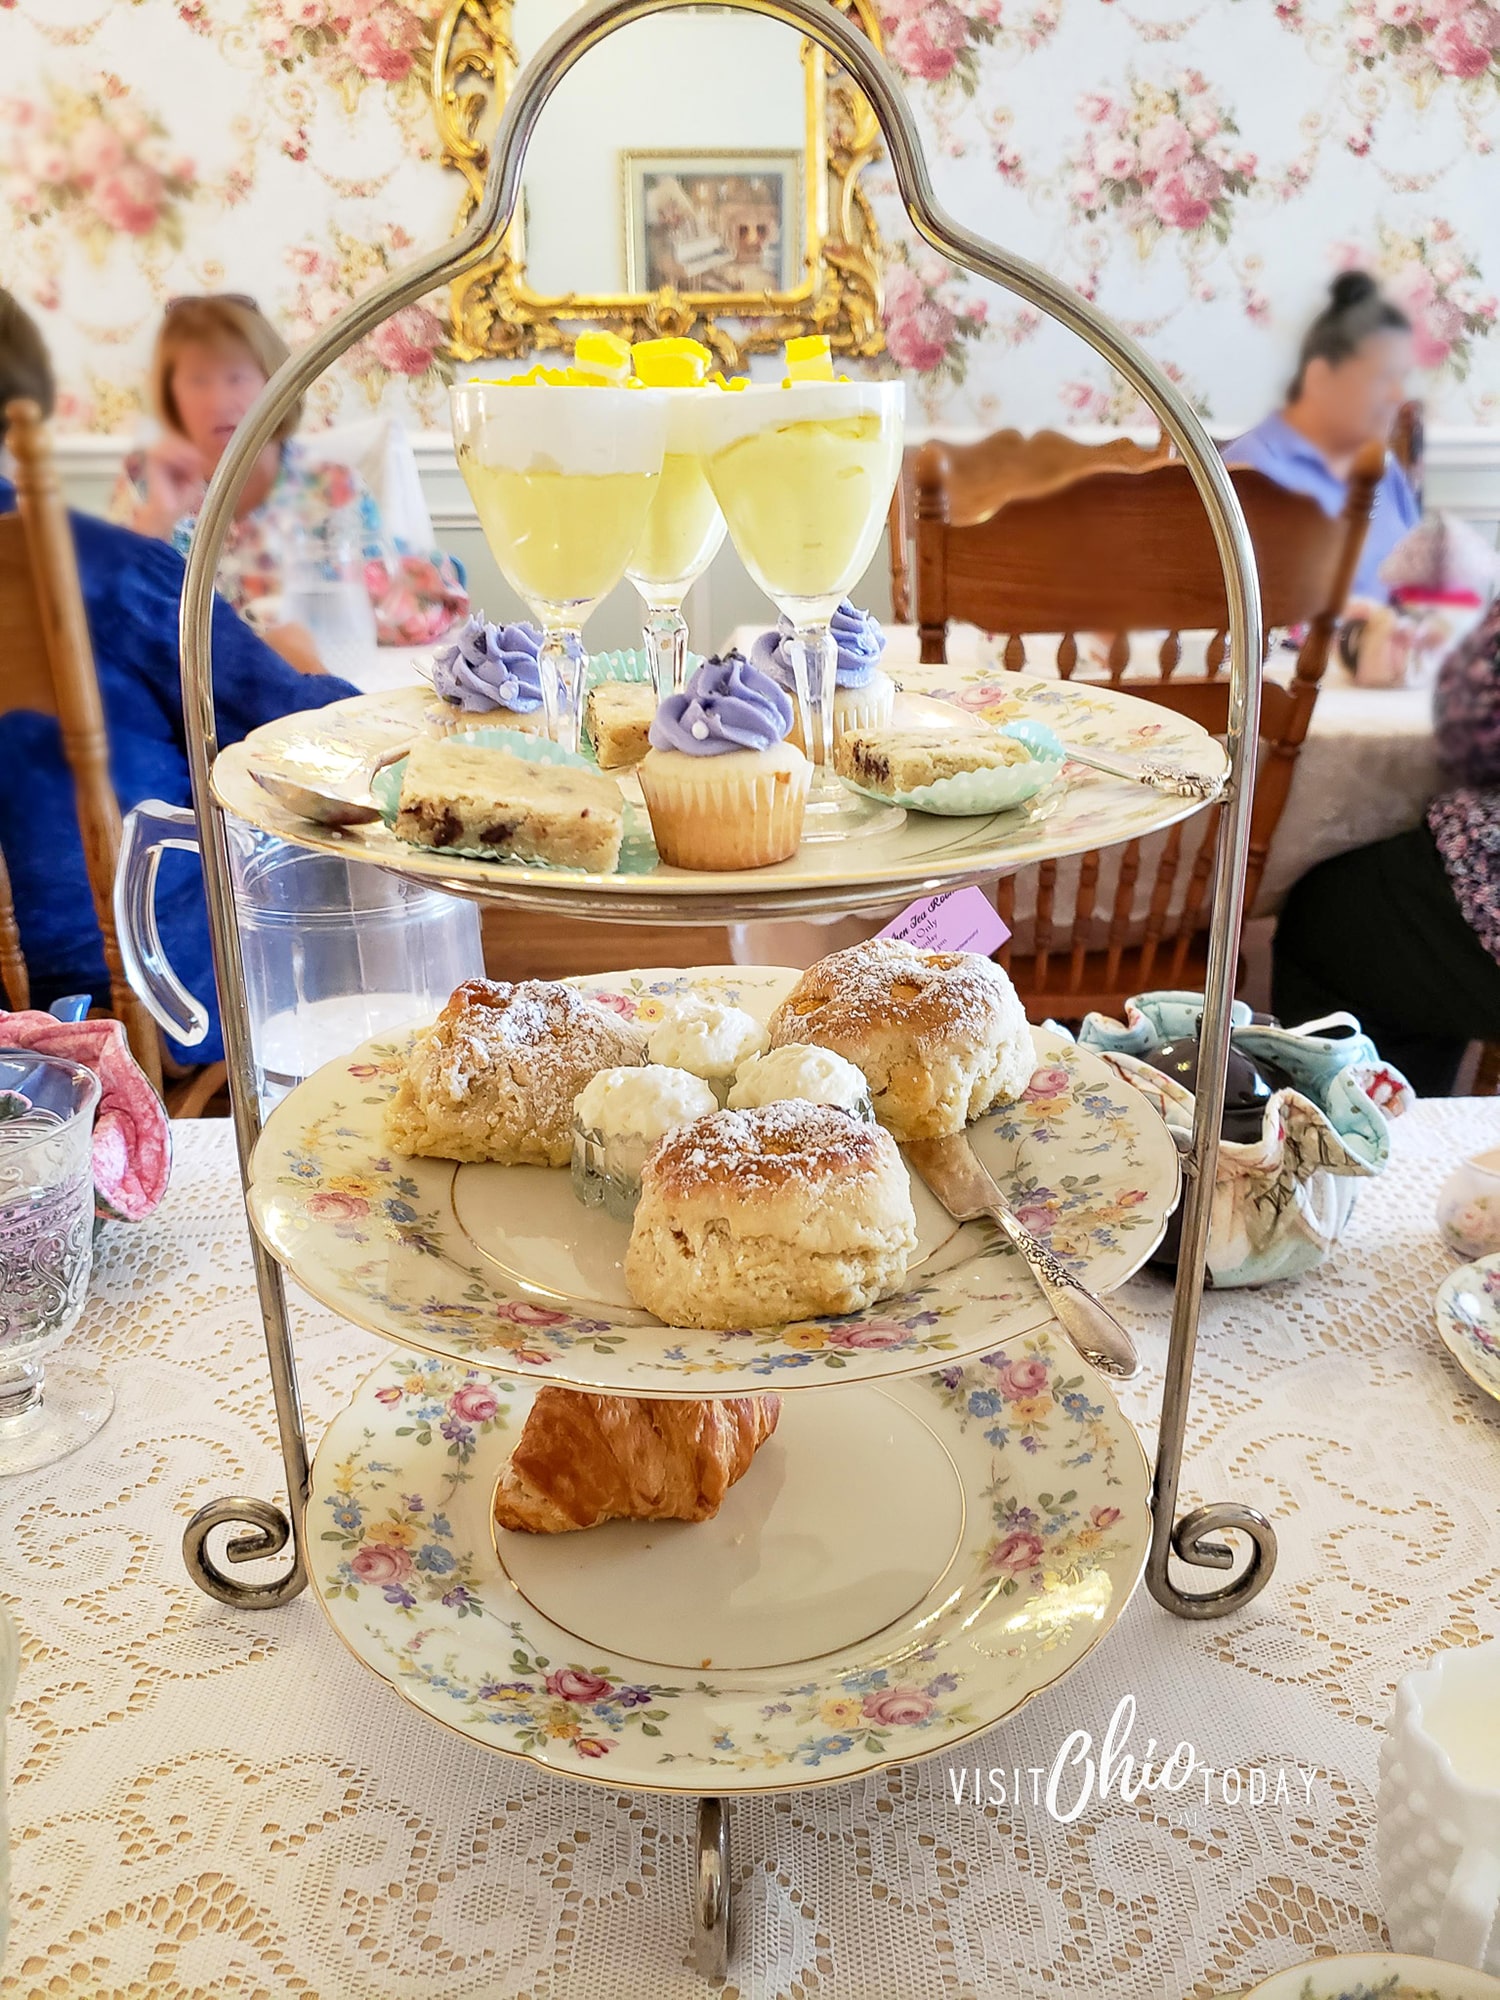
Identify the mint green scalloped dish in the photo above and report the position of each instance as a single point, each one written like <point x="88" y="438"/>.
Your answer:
<point x="629" y="665"/>
<point x="638" y="854"/>
<point x="974" y="794"/>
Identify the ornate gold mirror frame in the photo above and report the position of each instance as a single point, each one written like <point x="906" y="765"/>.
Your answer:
<point x="496" y="314"/>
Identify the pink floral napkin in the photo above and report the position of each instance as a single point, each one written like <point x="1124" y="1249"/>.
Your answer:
<point x="132" y="1135"/>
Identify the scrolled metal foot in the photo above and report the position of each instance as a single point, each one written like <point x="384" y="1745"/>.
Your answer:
<point x="267" y="1532"/>
<point x="1191" y="1542"/>
<point x="711" y="1890"/>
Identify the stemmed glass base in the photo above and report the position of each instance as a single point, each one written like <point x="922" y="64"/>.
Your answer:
<point x="666" y="636"/>
<point x="834" y="812"/>
<point x="563" y="662"/>
<point x="43" y="1422"/>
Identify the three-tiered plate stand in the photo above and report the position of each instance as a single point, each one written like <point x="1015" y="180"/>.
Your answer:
<point x="263" y="1528"/>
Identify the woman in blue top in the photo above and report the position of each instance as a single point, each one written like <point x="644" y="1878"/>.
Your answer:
<point x="1349" y="386"/>
<point x="131" y="588"/>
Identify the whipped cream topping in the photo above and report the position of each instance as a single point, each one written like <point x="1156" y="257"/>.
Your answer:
<point x="798" y="1071"/>
<point x="705" y="1037"/>
<point x="727" y="705"/>
<point x="644" y="1103"/>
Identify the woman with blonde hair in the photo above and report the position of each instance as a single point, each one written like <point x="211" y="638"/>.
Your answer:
<point x="213" y="357"/>
<point x="132" y="588"/>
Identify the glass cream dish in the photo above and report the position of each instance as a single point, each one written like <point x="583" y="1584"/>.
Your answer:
<point x="619" y="1118"/>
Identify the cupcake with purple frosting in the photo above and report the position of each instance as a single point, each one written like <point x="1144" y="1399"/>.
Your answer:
<point x="863" y="695"/>
<point x="723" y="786"/>
<point x="490" y="677"/>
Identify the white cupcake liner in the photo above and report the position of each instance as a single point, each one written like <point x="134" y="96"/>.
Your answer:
<point x="723" y="822"/>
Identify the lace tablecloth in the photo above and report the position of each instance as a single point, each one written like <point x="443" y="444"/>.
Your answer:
<point x="214" y="1804"/>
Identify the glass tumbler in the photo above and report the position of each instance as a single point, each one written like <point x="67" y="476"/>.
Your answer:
<point x="47" y="1108"/>
<point x="324" y="590"/>
<point x="333" y="951"/>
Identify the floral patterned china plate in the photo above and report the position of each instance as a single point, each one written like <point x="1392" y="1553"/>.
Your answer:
<point x="902" y="1566"/>
<point x="1468" y="1318"/>
<point x="335" y="748"/>
<point x="500" y="1266"/>
<point x="1377" y="1975"/>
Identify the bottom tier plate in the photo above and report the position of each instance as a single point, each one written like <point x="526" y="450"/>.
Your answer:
<point x="901" y="1568"/>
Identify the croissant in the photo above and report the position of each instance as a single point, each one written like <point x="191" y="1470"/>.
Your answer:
<point x="582" y="1459"/>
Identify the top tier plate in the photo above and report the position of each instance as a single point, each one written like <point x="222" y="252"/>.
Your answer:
<point x="332" y="746"/>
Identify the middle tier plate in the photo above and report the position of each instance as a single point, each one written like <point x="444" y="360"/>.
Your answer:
<point x="501" y="1267"/>
<point x="336" y="747"/>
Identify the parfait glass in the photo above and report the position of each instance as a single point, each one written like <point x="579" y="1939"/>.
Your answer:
<point x="804" y="475"/>
<point x="562" y="477"/>
<point x="47" y="1108"/>
<point x="683" y="534"/>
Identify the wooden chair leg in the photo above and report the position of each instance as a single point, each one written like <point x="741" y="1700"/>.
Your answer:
<point x="13" y="974"/>
<point x="192" y="1096"/>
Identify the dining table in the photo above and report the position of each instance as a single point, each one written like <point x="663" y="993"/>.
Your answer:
<point x="210" y="1802"/>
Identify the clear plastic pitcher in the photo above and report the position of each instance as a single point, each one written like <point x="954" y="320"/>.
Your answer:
<point x="334" y="952"/>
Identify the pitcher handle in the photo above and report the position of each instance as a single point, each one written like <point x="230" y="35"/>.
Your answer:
<point x="1469" y="1909"/>
<point x="150" y="829"/>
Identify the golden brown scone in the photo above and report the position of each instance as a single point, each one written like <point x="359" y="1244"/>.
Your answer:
<point x="940" y="1036"/>
<point x="495" y="1076"/>
<point x="582" y="1459"/>
<point x="752" y="1218"/>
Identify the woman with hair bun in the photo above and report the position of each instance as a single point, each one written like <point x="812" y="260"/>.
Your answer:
<point x="1350" y="384"/>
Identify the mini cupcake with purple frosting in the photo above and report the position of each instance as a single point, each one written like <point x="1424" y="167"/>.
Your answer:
<point x="863" y="694"/>
<point x="489" y="677"/>
<point x="723" y="786"/>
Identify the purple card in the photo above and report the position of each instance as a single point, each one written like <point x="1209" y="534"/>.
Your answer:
<point x="953" y="920"/>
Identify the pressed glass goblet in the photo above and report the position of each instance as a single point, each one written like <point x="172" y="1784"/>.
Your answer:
<point x="562" y="476"/>
<point x="684" y="532"/>
<point x="804" y="475"/>
<point x="47" y="1107"/>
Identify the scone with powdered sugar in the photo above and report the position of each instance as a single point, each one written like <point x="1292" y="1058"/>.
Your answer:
<point x="939" y="1035"/>
<point x="753" y="1218"/>
<point x="495" y="1076"/>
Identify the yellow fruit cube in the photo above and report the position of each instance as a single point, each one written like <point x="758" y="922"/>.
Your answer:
<point x="671" y="364"/>
<point x="809" y="359"/>
<point x="601" y="357"/>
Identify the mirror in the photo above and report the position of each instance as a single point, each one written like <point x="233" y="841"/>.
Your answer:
<point x="698" y="173"/>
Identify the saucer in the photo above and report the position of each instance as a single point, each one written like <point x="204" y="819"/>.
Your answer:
<point x="1468" y="1321"/>
<point x="1377" y="1975"/>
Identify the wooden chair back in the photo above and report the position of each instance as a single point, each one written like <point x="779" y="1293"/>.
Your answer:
<point x="993" y="472"/>
<point x="49" y="669"/>
<point x="1115" y="553"/>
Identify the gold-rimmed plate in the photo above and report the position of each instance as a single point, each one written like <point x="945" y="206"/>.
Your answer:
<point x="329" y="747"/>
<point x="900" y="1568"/>
<point x="500" y="1267"/>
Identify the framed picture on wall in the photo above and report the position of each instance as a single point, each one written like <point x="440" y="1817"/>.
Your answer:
<point x="713" y="222"/>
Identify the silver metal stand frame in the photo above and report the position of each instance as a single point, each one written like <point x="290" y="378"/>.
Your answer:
<point x="265" y="1528"/>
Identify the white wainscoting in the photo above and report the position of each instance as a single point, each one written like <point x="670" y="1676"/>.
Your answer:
<point x="1462" y="478"/>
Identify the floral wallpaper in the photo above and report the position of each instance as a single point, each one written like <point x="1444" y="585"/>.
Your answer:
<point x="1201" y="171"/>
<point x="283" y="148"/>
<point x="1201" y="168"/>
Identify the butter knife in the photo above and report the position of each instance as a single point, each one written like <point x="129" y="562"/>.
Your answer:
<point x="955" y="1174"/>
